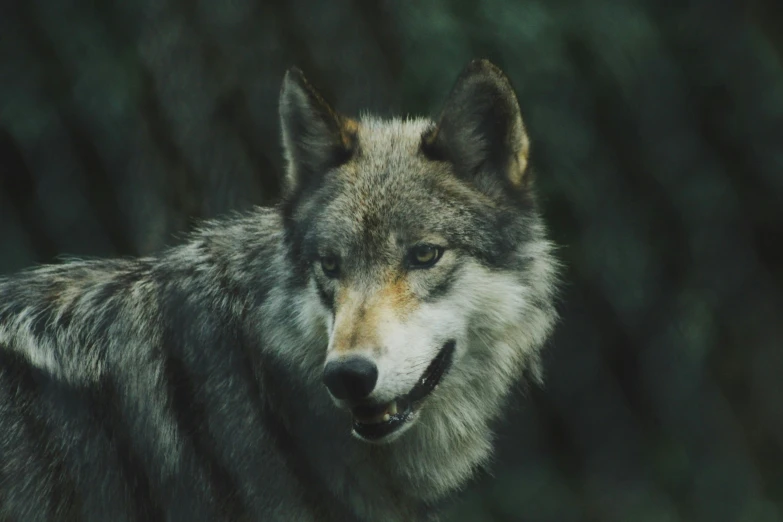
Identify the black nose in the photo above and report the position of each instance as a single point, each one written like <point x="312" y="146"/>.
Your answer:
<point x="351" y="379"/>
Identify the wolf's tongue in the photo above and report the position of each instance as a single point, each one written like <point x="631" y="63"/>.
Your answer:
<point x="370" y="417"/>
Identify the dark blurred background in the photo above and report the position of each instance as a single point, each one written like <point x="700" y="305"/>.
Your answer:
<point x="658" y="141"/>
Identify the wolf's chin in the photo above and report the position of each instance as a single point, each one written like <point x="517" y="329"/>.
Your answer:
<point x="381" y="424"/>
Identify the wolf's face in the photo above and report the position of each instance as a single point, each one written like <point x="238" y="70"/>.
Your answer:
<point x="422" y="245"/>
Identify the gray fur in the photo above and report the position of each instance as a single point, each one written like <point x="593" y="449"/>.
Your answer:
<point x="188" y="386"/>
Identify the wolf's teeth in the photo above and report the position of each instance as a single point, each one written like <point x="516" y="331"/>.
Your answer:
<point x="392" y="409"/>
<point x="386" y="417"/>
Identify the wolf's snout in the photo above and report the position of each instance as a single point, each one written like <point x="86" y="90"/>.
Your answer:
<point x="351" y="379"/>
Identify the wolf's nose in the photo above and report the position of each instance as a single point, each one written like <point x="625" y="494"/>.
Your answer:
<point x="351" y="379"/>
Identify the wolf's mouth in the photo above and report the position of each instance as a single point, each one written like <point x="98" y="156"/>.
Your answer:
<point x="373" y="422"/>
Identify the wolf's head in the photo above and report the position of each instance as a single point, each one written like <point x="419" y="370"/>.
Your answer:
<point x="421" y="244"/>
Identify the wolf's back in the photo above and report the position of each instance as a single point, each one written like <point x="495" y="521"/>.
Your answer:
<point x="57" y="392"/>
<point x="127" y="392"/>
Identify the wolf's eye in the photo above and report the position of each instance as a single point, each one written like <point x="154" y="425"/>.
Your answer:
<point x="424" y="256"/>
<point x="330" y="266"/>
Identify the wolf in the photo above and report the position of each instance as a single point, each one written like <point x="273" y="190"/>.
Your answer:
<point x="341" y="356"/>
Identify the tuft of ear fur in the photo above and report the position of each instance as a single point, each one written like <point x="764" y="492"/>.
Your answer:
<point x="315" y="137"/>
<point x="480" y="130"/>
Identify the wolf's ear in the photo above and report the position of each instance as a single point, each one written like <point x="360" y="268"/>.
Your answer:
<point x="480" y="130"/>
<point x="315" y="137"/>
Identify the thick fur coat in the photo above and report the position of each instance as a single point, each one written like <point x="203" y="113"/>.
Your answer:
<point x="191" y="385"/>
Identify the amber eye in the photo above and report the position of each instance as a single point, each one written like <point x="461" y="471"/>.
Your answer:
<point x="424" y="256"/>
<point x="330" y="266"/>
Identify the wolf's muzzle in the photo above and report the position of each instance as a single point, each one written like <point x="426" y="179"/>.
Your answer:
<point x="373" y="422"/>
<point x="351" y="379"/>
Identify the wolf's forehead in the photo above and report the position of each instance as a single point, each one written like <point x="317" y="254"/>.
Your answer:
<point x="390" y="192"/>
<point x="389" y="169"/>
<point x="394" y="137"/>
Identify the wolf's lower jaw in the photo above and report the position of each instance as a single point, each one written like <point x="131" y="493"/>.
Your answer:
<point x="385" y="422"/>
